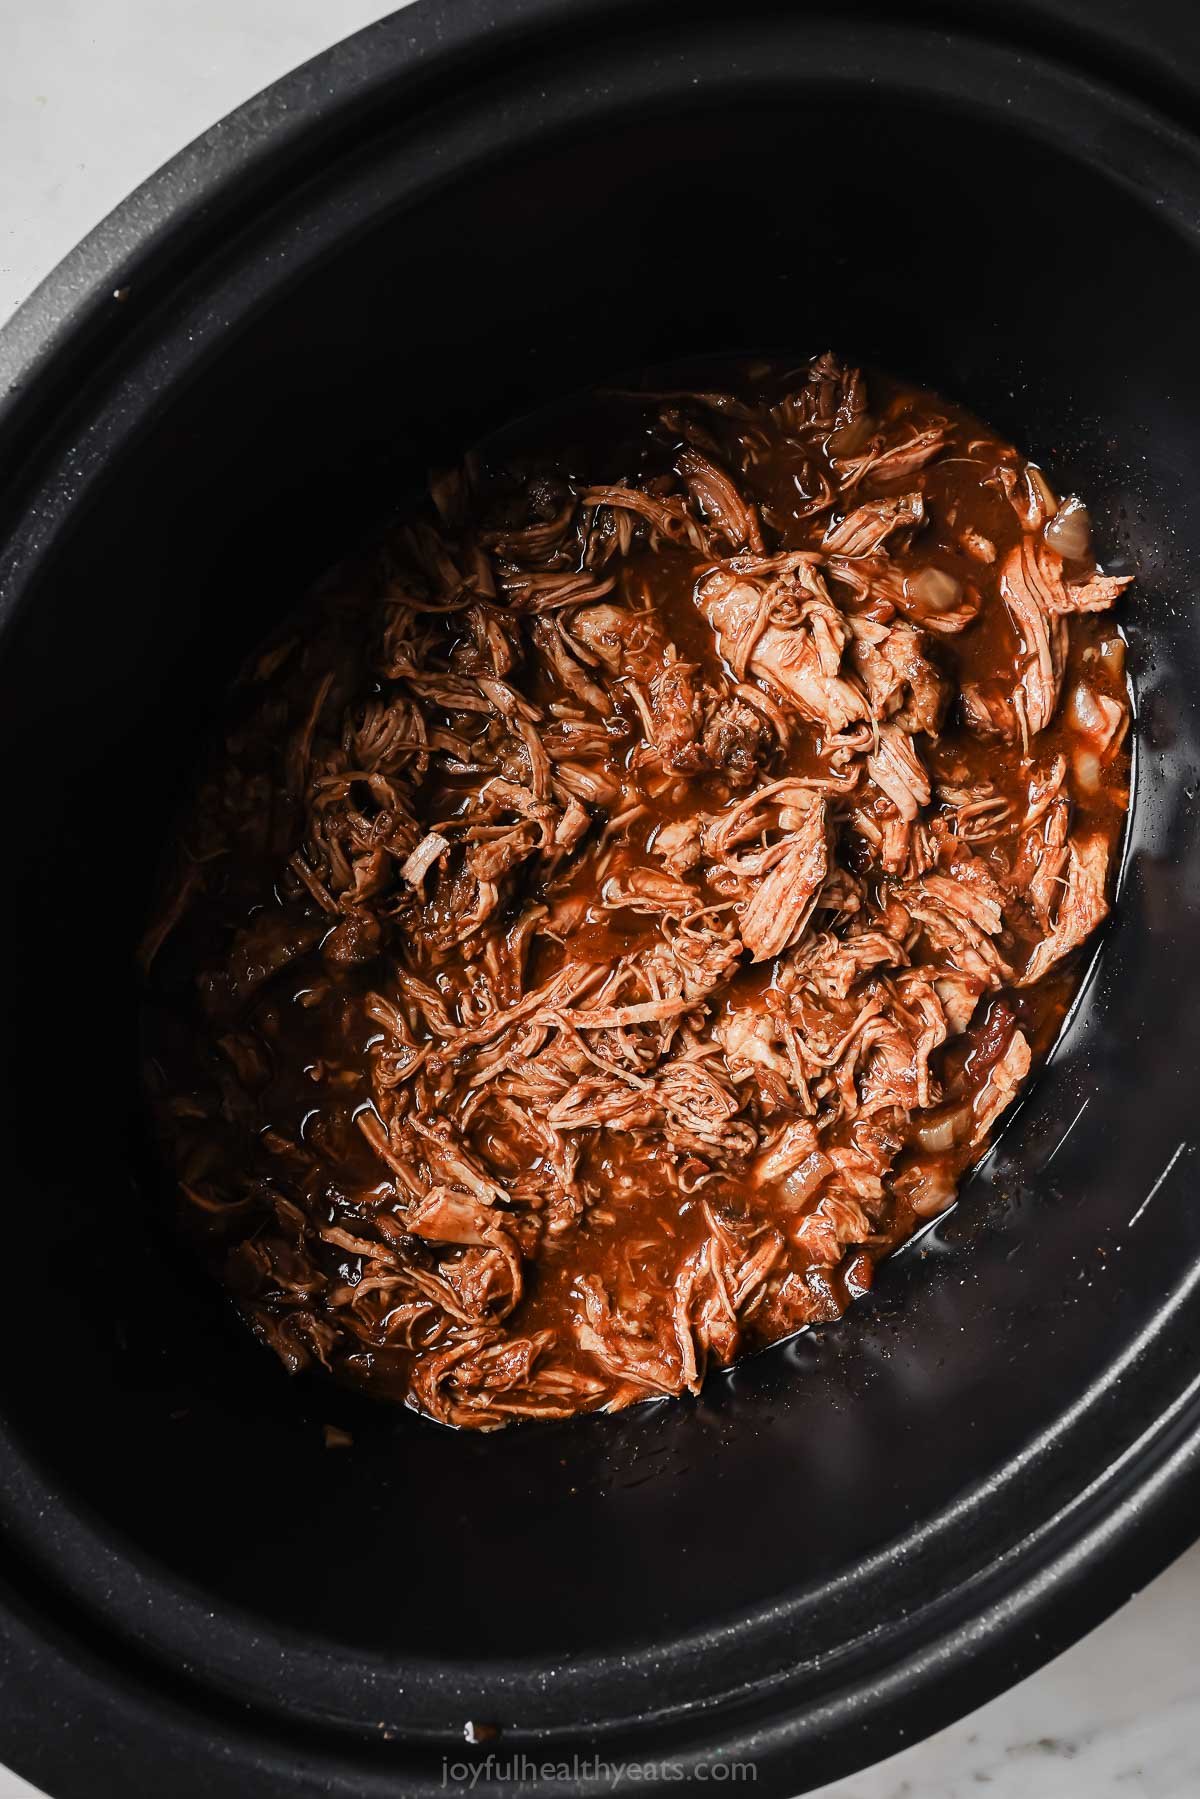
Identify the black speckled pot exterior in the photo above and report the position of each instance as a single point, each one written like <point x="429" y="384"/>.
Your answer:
<point x="459" y="213"/>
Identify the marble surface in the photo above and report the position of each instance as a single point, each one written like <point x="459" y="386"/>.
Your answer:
<point x="94" y="94"/>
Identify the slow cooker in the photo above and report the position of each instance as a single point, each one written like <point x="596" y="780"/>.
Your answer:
<point x="460" y="213"/>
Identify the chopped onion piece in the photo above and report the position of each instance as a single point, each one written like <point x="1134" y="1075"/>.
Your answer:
<point x="1087" y="771"/>
<point x="936" y="589"/>
<point x="935" y="1190"/>
<point x="1070" y="531"/>
<point x="1083" y="711"/>
<point x="944" y="1133"/>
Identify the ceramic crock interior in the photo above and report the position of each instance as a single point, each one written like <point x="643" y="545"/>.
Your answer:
<point x="925" y="234"/>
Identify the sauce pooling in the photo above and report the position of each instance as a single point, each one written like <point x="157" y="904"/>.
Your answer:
<point x="623" y="905"/>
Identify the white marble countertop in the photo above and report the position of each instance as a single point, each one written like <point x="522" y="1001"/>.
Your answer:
<point x="94" y="95"/>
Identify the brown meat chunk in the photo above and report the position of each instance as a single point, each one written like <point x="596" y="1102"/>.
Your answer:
<point x="784" y="899"/>
<point x="1083" y="906"/>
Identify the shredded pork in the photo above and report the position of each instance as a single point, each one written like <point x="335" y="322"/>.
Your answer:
<point x="619" y="914"/>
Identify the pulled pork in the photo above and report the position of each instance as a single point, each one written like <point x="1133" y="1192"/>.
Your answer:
<point x="618" y="913"/>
